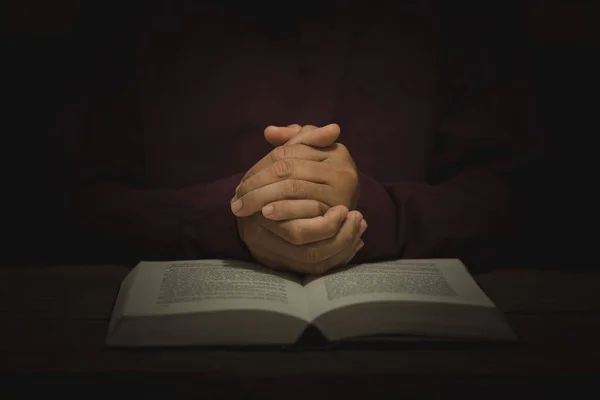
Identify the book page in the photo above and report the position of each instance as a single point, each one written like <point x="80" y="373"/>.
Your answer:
<point x="440" y="280"/>
<point x="426" y="298"/>
<point x="182" y="287"/>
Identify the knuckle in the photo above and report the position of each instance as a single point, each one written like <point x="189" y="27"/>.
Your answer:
<point x="278" y="153"/>
<point x="310" y="255"/>
<point x="353" y="175"/>
<point x="308" y="190"/>
<point x="291" y="188"/>
<point x="283" y="168"/>
<point x="307" y="128"/>
<point x="348" y="174"/>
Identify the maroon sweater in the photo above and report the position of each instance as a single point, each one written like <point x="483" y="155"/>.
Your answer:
<point x="173" y="115"/>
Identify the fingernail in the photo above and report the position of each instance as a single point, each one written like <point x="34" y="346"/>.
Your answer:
<point x="359" y="246"/>
<point x="267" y="210"/>
<point x="236" y="206"/>
<point x="359" y="220"/>
<point x="363" y="226"/>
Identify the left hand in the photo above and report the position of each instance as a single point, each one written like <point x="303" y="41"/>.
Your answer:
<point x="343" y="230"/>
<point x="294" y="173"/>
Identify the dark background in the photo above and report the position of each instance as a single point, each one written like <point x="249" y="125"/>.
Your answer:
<point x="44" y="42"/>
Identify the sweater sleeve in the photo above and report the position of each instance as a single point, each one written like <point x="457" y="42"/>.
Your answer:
<point x="109" y="208"/>
<point x="473" y="203"/>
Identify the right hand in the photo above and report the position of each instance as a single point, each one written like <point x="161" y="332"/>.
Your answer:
<point x="302" y="235"/>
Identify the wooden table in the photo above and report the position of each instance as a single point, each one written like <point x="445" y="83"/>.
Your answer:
<point x="55" y="318"/>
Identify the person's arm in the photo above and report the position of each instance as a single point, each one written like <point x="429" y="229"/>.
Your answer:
<point x="471" y="206"/>
<point x="151" y="224"/>
<point x="112" y="212"/>
<point x="111" y="208"/>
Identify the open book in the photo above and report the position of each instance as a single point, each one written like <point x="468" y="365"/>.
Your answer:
<point x="221" y="302"/>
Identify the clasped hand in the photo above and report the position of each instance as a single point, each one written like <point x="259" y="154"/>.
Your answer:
<point x="296" y="206"/>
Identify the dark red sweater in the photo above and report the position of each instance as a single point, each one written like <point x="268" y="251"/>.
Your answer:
<point x="173" y="115"/>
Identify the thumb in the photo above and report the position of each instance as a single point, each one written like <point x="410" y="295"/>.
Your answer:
<point x="279" y="135"/>
<point x="317" y="137"/>
<point x="308" y="135"/>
